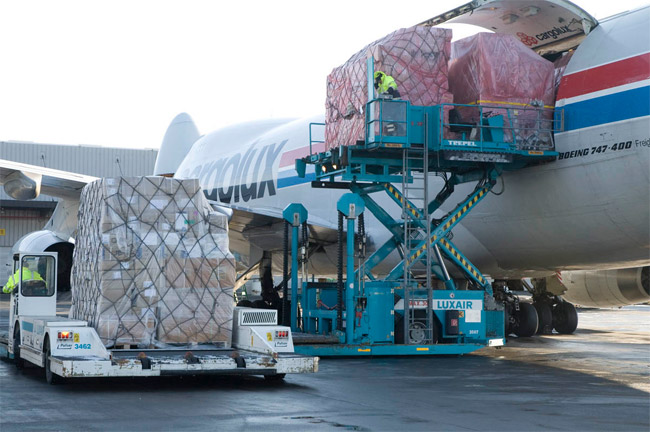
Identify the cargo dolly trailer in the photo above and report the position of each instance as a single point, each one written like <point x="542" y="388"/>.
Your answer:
<point x="70" y="348"/>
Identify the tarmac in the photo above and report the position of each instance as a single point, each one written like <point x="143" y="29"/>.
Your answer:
<point x="596" y="379"/>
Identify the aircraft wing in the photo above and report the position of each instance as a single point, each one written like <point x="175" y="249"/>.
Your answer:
<point x="24" y="182"/>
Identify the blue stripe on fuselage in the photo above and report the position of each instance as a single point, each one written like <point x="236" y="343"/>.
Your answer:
<point x="294" y="180"/>
<point x="607" y="109"/>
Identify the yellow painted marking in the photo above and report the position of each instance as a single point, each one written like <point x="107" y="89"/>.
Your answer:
<point x="363" y="349"/>
<point x="401" y="199"/>
<point x="269" y="337"/>
<point x="2" y="232"/>
<point x="76" y="337"/>
<point x="464" y="262"/>
<point x="535" y="153"/>
<point x="422" y="349"/>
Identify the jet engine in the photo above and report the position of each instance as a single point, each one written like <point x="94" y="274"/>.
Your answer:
<point x="607" y="288"/>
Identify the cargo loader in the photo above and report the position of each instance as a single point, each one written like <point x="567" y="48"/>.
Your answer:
<point x="418" y="308"/>
<point x="71" y="348"/>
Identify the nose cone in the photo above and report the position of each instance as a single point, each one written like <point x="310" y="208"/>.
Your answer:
<point x="177" y="142"/>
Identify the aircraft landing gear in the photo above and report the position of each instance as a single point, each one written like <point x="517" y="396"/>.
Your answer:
<point x="527" y="320"/>
<point x="565" y="318"/>
<point x="553" y="311"/>
<point x="545" y="317"/>
<point x="521" y="317"/>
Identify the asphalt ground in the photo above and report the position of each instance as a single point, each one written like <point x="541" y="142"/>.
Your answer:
<point x="596" y="379"/>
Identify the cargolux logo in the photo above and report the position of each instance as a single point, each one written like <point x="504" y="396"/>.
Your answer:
<point x="527" y="40"/>
<point x="241" y="177"/>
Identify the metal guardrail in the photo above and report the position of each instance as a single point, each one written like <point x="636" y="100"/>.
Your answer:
<point x="313" y="141"/>
<point x="525" y="128"/>
<point x="387" y="121"/>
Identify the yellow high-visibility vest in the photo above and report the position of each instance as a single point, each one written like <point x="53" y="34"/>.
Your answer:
<point x="13" y="279"/>
<point x="386" y="82"/>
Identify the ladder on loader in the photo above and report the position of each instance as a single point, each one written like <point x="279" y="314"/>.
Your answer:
<point x="416" y="229"/>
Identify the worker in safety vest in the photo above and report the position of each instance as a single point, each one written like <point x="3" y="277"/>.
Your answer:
<point x="385" y="84"/>
<point x="28" y="275"/>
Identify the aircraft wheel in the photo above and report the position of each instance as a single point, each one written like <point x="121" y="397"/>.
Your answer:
<point x="545" y="318"/>
<point x="20" y="362"/>
<point x="527" y="320"/>
<point x="565" y="318"/>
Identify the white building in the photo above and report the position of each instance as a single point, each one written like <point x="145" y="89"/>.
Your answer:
<point x="18" y="218"/>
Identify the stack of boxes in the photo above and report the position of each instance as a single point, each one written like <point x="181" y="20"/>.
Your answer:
<point x="415" y="57"/>
<point x="152" y="264"/>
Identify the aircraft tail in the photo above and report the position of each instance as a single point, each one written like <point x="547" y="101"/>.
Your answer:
<point x="177" y="142"/>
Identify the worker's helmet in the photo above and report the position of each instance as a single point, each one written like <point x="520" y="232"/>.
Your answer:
<point x="379" y="74"/>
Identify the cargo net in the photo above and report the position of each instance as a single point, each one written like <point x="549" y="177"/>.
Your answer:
<point x="151" y="264"/>
<point x="415" y="57"/>
<point x="560" y="67"/>
<point x="498" y="72"/>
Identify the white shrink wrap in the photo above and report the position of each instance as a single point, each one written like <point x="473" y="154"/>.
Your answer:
<point x="152" y="264"/>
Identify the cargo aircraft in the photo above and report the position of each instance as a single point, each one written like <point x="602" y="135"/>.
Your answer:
<point x="578" y="226"/>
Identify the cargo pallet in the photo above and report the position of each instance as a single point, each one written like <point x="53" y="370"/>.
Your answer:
<point x="405" y="143"/>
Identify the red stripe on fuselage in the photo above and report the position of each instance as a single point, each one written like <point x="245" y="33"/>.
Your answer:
<point x="289" y="158"/>
<point x="615" y="74"/>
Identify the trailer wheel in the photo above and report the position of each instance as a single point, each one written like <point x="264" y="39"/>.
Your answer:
<point x="50" y="376"/>
<point x="527" y="320"/>
<point x="565" y="318"/>
<point x="20" y="362"/>
<point x="418" y="330"/>
<point x="275" y="377"/>
<point x="545" y="317"/>
<point x="418" y="333"/>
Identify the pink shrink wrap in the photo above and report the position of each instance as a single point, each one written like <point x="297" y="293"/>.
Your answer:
<point x="560" y="66"/>
<point x="498" y="70"/>
<point x="415" y="57"/>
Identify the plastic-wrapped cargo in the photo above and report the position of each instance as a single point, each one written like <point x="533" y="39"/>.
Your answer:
<point x="560" y="66"/>
<point x="499" y="70"/>
<point x="493" y="67"/>
<point x="151" y="263"/>
<point x="415" y="57"/>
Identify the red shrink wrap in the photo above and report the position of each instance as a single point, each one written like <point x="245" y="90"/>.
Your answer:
<point x="415" y="57"/>
<point x="560" y="66"/>
<point x="498" y="70"/>
<point x="492" y="67"/>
